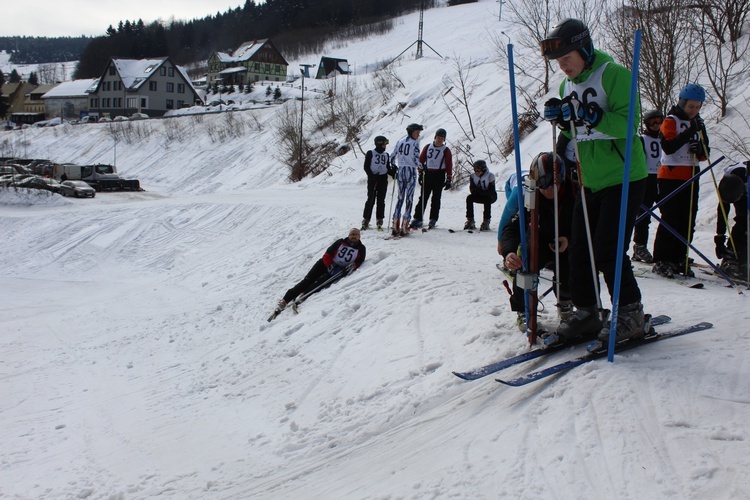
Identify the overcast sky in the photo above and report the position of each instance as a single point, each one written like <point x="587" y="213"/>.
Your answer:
<point x="84" y="17"/>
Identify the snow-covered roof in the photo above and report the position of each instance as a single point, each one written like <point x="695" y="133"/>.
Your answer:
<point x="243" y="52"/>
<point x="134" y="72"/>
<point x="75" y="88"/>
<point x="234" y="69"/>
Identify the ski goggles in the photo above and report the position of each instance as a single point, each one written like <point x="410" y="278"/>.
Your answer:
<point x="655" y="122"/>
<point x="550" y="46"/>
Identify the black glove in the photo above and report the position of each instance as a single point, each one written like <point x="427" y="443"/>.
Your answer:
<point x="695" y="148"/>
<point x="392" y="171"/>
<point x="420" y="177"/>
<point x="552" y="112"/>
<point x="721" y="247"/>
<point x="333" y="269"/>
<point x="447" y="184"/>
<point x="698" y="123"/>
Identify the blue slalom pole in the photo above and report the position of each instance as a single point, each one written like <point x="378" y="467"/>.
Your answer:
<point x="624" y="196"/>
<point x="519" y="192"/>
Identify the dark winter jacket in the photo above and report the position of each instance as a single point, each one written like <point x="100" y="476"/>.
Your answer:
<point x="511" y="238"/>
<point x="343" y="253"/>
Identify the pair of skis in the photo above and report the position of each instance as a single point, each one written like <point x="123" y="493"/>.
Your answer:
<point x="564" y="366"/>
<point x="296" y="302"/>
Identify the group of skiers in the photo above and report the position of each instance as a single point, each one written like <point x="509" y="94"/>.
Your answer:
<point x="592" y="115"/>
<point x="432" y="168"/>
<point x="580" y="186"/>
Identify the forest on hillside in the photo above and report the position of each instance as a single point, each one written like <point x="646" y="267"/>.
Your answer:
<point x="296" y="26"/>
<point x="42" y="49"/>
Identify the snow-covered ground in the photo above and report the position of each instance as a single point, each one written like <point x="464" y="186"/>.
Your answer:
<point x="137" y="360"/>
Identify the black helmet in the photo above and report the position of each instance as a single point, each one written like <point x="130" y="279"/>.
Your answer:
<point x="566" y="36"/>
<point x="480" y="165"/>
<point x="650" y="115"/>
<point x="545" y="165"/>
<point x="381" y="141"/>
<point x="412" y="127"/>
<point x="731" y="188"/>
<point x="440" y="133"/>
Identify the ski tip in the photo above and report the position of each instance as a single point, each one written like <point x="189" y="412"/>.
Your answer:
<point x="697" y="286"/>
<point x="451" y="230"/>
<point x="460" y="375"/>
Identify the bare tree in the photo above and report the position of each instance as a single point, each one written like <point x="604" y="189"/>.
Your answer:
<point x="719" y="27"/>
<point x="666" y="58"/>
<point x="459" y="89"/>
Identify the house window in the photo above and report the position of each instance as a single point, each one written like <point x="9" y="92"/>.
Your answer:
<point x="152" y="86"/>
<point x="257" y="66"/>
<point x="112" y="70"/>
<point x="170" y="71"/>
<point x="180" y="104"/>
<point x="180" y="88"/>
<point x="94" y="102"/>
<point x="144" y="103"/>
<point x="132" y="102"/>
<point x="170" y="104"/>
<point x="163" y="71"/>
<point x="268" y="68"/>
<point x="170" y="87"/>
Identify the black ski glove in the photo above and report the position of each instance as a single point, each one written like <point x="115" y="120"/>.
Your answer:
<point x="420" y="177"/>
<point x="695" y="148"/>
<point x="447" y="184"/>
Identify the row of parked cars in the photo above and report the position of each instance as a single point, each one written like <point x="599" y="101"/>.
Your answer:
<point x="14" y="175"/>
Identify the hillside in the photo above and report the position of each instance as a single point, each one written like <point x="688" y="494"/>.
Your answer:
<point x="137" y="359"/>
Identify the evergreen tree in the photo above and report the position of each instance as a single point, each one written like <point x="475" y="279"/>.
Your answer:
<point x="14" y="76"/>
<point x="268" y="91"/>
<point x="33" y="78"/>
<point x="277" y="93"/>
<point x="2" y="78"/>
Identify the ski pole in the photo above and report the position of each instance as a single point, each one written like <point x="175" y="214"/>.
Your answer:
<point x="679" y="188"/>
<point x="390" y="210"/>
<point x="690" y="216"/>
<point x="718" y="193"/>
<point x="556" y="210"/>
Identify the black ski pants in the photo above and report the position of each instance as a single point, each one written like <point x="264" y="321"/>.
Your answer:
<point x="650" y="197"/>
<point x="485" y="199"/>
<point x="317" y="275"/>
<point x="377" y="187"/>
<point x="433" y="184"/>
<point x="675" y="213"/>
<point x="604" y="217"/>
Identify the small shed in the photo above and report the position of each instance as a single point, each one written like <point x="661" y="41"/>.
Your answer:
<point x="332" y="66"/>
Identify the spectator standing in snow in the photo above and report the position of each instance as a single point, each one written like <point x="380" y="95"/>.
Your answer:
<point x="593" y="112"/>
<point x="733" y="191"/>
<point x="406" y="158"/>
<point x="482" y="190"/>
<point x="652" y="121"/>
<point x="377" y="166"/>
<point x="683" y="137"/>
<point x="437" y="160"/>
<point x="341" y="258"/>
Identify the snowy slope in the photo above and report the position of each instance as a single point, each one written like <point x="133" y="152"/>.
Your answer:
<point x="137" y="361"/>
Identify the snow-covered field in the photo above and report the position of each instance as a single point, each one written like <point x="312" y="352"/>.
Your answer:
<point x="136" y="360"/>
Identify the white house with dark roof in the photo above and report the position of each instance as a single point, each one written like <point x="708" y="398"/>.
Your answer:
<point x="151" y="86"/>
<point x="251" y="62"/>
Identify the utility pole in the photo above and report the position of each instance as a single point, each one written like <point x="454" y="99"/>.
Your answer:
<point x="500" y="13"/>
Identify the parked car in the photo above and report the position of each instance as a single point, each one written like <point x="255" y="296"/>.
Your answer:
<point x="36" y="182"/>
<point x="104" y="119"/>
<point x="121" y="118"/>
<point x="88" y="119"/>
<point x="79" y="189"/>
<point x="139" y="116"/>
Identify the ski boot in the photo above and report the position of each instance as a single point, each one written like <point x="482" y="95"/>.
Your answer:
<point x="564" y="309"/>
<point x="485" y="225"/>
<point x="380" y="225"/>
<point x="432" y="224"/>
<point x="404" y="227"/>
<point x="663" y="268"/>
<point x="584" y="323"/>
<point x="365" y="224"/>
<point x="679" y="268"/>
<point x="415" y="224"/>
<point x="396" y="228"/>
<point x="470" y="224"/>
<point x="641" y="254"/>
<point x="631" y="324"/>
